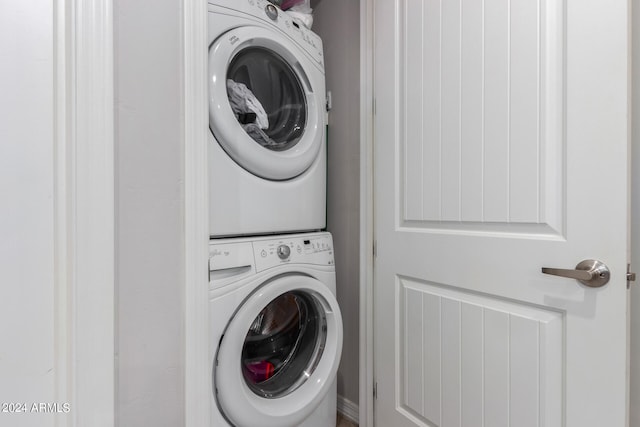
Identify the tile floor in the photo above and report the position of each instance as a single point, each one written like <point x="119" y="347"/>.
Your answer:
<point x="343" y="422"/>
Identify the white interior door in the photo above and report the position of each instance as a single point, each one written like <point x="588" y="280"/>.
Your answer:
<point x="501" y="139"/>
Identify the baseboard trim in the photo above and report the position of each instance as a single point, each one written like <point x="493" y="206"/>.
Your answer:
<point x="348" y="409"/>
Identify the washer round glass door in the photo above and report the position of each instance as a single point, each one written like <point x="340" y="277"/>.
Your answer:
<point x="265" y="102"/>
<point x="279" y="353"/>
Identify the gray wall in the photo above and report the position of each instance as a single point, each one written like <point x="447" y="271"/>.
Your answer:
<point x="338" y="23"/>
<point x="149" y="213"/>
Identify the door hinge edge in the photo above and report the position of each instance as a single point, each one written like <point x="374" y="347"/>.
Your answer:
<point x="631" y="277"/>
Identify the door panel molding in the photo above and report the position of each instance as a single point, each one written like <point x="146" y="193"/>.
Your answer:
<point x="501" y="351"/>
<point x="481" y="102"/>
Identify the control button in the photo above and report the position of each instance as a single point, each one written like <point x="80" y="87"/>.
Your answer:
<point x="263" y="254"/>
<point x="271" y="12"/>
<point x="299" y="249"/>
<point x="284" y="251"/>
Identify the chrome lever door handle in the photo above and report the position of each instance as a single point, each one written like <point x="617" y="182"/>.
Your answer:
<point x="590" y="272"/>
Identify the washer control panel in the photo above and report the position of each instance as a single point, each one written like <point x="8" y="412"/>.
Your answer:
<point x="316" y="249"/>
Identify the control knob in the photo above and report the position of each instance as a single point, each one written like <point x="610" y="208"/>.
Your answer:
<point x="271" y="11"/>
<point x="284" y="251"/>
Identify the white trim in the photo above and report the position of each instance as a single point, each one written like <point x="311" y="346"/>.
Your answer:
<point x="84" y="212"/>
<point x="366" y="214"/>
<point x="197" y="371"/>
<point x="348" y="409"/>
<point x="62" y="222"/>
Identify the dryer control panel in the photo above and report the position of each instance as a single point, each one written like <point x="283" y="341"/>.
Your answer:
<point x="315" y="249"/>
<point x="266" y="11"/>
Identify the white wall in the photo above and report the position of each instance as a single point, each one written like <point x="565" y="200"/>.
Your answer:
<point x="338" y="23"/>
<point x="149" y="214"/>
<point x="27" y="209"/>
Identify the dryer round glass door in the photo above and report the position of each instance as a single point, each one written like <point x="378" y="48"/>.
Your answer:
<point x="279" y="353"/>
<point x="267" y="98"/>
<point x="266" y="102"/>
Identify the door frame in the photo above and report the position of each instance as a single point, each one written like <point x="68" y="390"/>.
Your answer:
<point x="367" y="111"/>
<point x="197" y="387"/>
<point x="84" y="211"/>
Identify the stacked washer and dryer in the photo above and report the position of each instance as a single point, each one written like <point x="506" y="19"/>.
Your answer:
<point x="275" y="325"/>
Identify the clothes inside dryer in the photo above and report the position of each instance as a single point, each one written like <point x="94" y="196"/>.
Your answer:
<point x="274" y="84"/>
<point x="284" y="344"/>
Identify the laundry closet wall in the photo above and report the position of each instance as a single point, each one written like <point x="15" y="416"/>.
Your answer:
<point x="338" y="23"/>
<point x="27" y="226"/>
<point x="149" y="213"/>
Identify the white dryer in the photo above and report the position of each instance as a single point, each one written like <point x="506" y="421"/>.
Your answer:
<point x="275" y="331"/>
<point x="267" y="116"/>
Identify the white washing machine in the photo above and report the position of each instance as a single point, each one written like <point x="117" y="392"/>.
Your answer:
<point x="267" y="116"/>
<point x="275" y="331"/>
